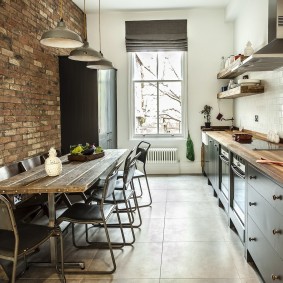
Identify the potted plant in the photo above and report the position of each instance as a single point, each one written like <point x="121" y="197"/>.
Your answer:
<point x="206" y="112"/>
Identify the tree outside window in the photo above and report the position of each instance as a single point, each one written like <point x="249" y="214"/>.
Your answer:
<point x="157" y="85"/>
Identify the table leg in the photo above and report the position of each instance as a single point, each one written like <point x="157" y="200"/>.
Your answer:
<point x="53" y="244"/>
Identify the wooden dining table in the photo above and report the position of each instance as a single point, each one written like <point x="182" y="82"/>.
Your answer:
<point x="76" y="177"/>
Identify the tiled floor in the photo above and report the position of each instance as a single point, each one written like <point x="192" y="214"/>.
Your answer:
<point x="184" y="239"/>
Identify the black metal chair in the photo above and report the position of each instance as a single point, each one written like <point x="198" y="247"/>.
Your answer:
<point x="30" y="163"/>
<point x="122" y="196"/>
<point x="20" y="240"/>
<point x="25" y="210"/>
<point x="141" y="148"/>
<point x="96" y="215"/>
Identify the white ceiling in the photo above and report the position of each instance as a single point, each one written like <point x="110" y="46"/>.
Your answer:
<point x="144" y="5"/>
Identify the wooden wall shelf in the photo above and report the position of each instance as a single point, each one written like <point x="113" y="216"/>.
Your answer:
<point x="232" y="71"/>
<point x="241" y="91"/>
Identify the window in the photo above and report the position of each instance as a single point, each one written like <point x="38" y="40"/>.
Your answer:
<point x="157" y="93"/>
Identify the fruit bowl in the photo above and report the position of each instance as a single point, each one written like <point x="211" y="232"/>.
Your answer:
<point x="85" y="152"/>
<point x="82" y="158"/>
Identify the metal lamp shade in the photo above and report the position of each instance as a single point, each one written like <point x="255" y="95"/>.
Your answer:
<point x="102" y="64"/>
<point x="85" y="54"/>
<point x="61" y="37"/>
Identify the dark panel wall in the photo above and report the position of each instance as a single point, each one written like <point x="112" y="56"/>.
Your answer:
<point x="29" y="76"/>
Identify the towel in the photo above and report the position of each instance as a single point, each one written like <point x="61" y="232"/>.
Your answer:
<point x="190" y="154"/>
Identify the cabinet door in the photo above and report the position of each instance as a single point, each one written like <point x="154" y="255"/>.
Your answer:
<point x="103" y="109"/>
<point x="78" y="103"/>
<point x="107" y="108"/>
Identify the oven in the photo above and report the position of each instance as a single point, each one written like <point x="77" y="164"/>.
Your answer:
<point x="224" y="178"/>
<point x="238" y="194"/>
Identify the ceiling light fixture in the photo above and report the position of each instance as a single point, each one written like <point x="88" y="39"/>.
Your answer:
<point x="102" y="64"/>
<point x="85" y="53"/>
<point x="61" y="36"/>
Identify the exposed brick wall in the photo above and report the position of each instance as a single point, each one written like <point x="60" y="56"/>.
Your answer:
<point x="29" y="76"/>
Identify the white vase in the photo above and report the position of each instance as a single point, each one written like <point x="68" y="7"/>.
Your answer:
<point x="53" y="165"/>
<point x="248" y="50"/>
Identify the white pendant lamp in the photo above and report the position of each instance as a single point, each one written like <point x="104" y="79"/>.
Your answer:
<point x="61" y="36"/>
<point x="85" y="53"/>
<point x="102" y="64"/>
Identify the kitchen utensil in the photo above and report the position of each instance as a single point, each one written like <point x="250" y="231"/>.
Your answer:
<point x="267" y="161"/>
<point x="219" y="116"/>
<point x="242" y="138"/>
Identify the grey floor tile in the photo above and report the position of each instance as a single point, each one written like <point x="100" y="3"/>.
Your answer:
<point x="194" y="229"/>
<point x="132" y="280"/>
<point x="210" y="280"/>
<point x="155" y="211"/>
<point x="143" y="261"/>
<point x="197" y="260"/>
<point x="188" y="195"/>
<point x="192" y="209"/>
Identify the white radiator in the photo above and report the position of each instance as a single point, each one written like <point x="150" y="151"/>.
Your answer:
<point x="162" y="155"/>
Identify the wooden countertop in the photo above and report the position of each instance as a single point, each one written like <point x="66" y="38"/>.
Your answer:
<point x="273" y="171"/>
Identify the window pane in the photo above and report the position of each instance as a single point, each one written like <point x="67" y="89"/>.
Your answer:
<point x="145" y="66"/>
<point x="145" y="108"/>
<point x="170" y="67"/>
<point x="170" y="108"/>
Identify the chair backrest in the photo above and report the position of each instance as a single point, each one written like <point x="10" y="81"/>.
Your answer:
<point x="8" y="171"/>
<point x="6" y="215"/>
<point x="143" y="148"/>
<point x="129" y="157"/>
<point x="110" y="182"/>
<point x="28" y="164"/>
<point x="129" y="171"/>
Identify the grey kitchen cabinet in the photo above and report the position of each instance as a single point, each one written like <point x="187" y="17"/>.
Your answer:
<point x="265" y="225"/>
<point x="88" y="105"/>
<point x="213" y="164"/>
<point x="107" y="111"/>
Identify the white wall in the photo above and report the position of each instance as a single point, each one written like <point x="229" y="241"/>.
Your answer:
<point x="251" y="24"/>
<point x="210" y="38"/>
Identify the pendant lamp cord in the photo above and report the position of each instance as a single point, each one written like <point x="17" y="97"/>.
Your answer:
<point x="61" y="10"/>
<point x="85" y="33"/>
<point x="99" y="26"/>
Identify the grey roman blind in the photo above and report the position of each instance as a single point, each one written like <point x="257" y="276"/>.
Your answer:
<point x="159" y="35"/>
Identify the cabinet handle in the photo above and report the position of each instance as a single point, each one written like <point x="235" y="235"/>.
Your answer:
<point x="252" y="203"/>
<point x="277" y="197"/>
<point x="275" y="277"/>
<point x="275" y="231"/>
<point x="252" y="177"/>
<point x="252" y="239"/>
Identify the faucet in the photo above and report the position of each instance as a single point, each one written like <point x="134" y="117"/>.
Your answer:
<point x="232" y="119"/>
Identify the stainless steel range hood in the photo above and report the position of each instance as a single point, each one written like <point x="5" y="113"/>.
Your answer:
<point x="270" y="57"/>
<point x="275" y="28"/>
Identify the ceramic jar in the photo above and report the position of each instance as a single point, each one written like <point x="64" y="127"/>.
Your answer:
<point x="53" y="165"/>
<point x="248" y="50"/>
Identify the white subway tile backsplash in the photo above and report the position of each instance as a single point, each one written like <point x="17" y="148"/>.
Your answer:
<point x="268" y="106"/>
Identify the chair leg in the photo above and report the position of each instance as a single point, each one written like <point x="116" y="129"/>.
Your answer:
<point x="14" y="270"/>
<point x="138" y="210"/>
<point x="110" y="248"/>
<point x="149" y="194"/>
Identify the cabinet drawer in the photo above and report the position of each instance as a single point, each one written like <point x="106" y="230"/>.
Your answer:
<point x="269" y="221"/>
<point x="264" y="256"/>
<point x="272" y="192"/>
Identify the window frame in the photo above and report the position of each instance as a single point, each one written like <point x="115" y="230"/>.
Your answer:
<point x="184" y="99"/>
